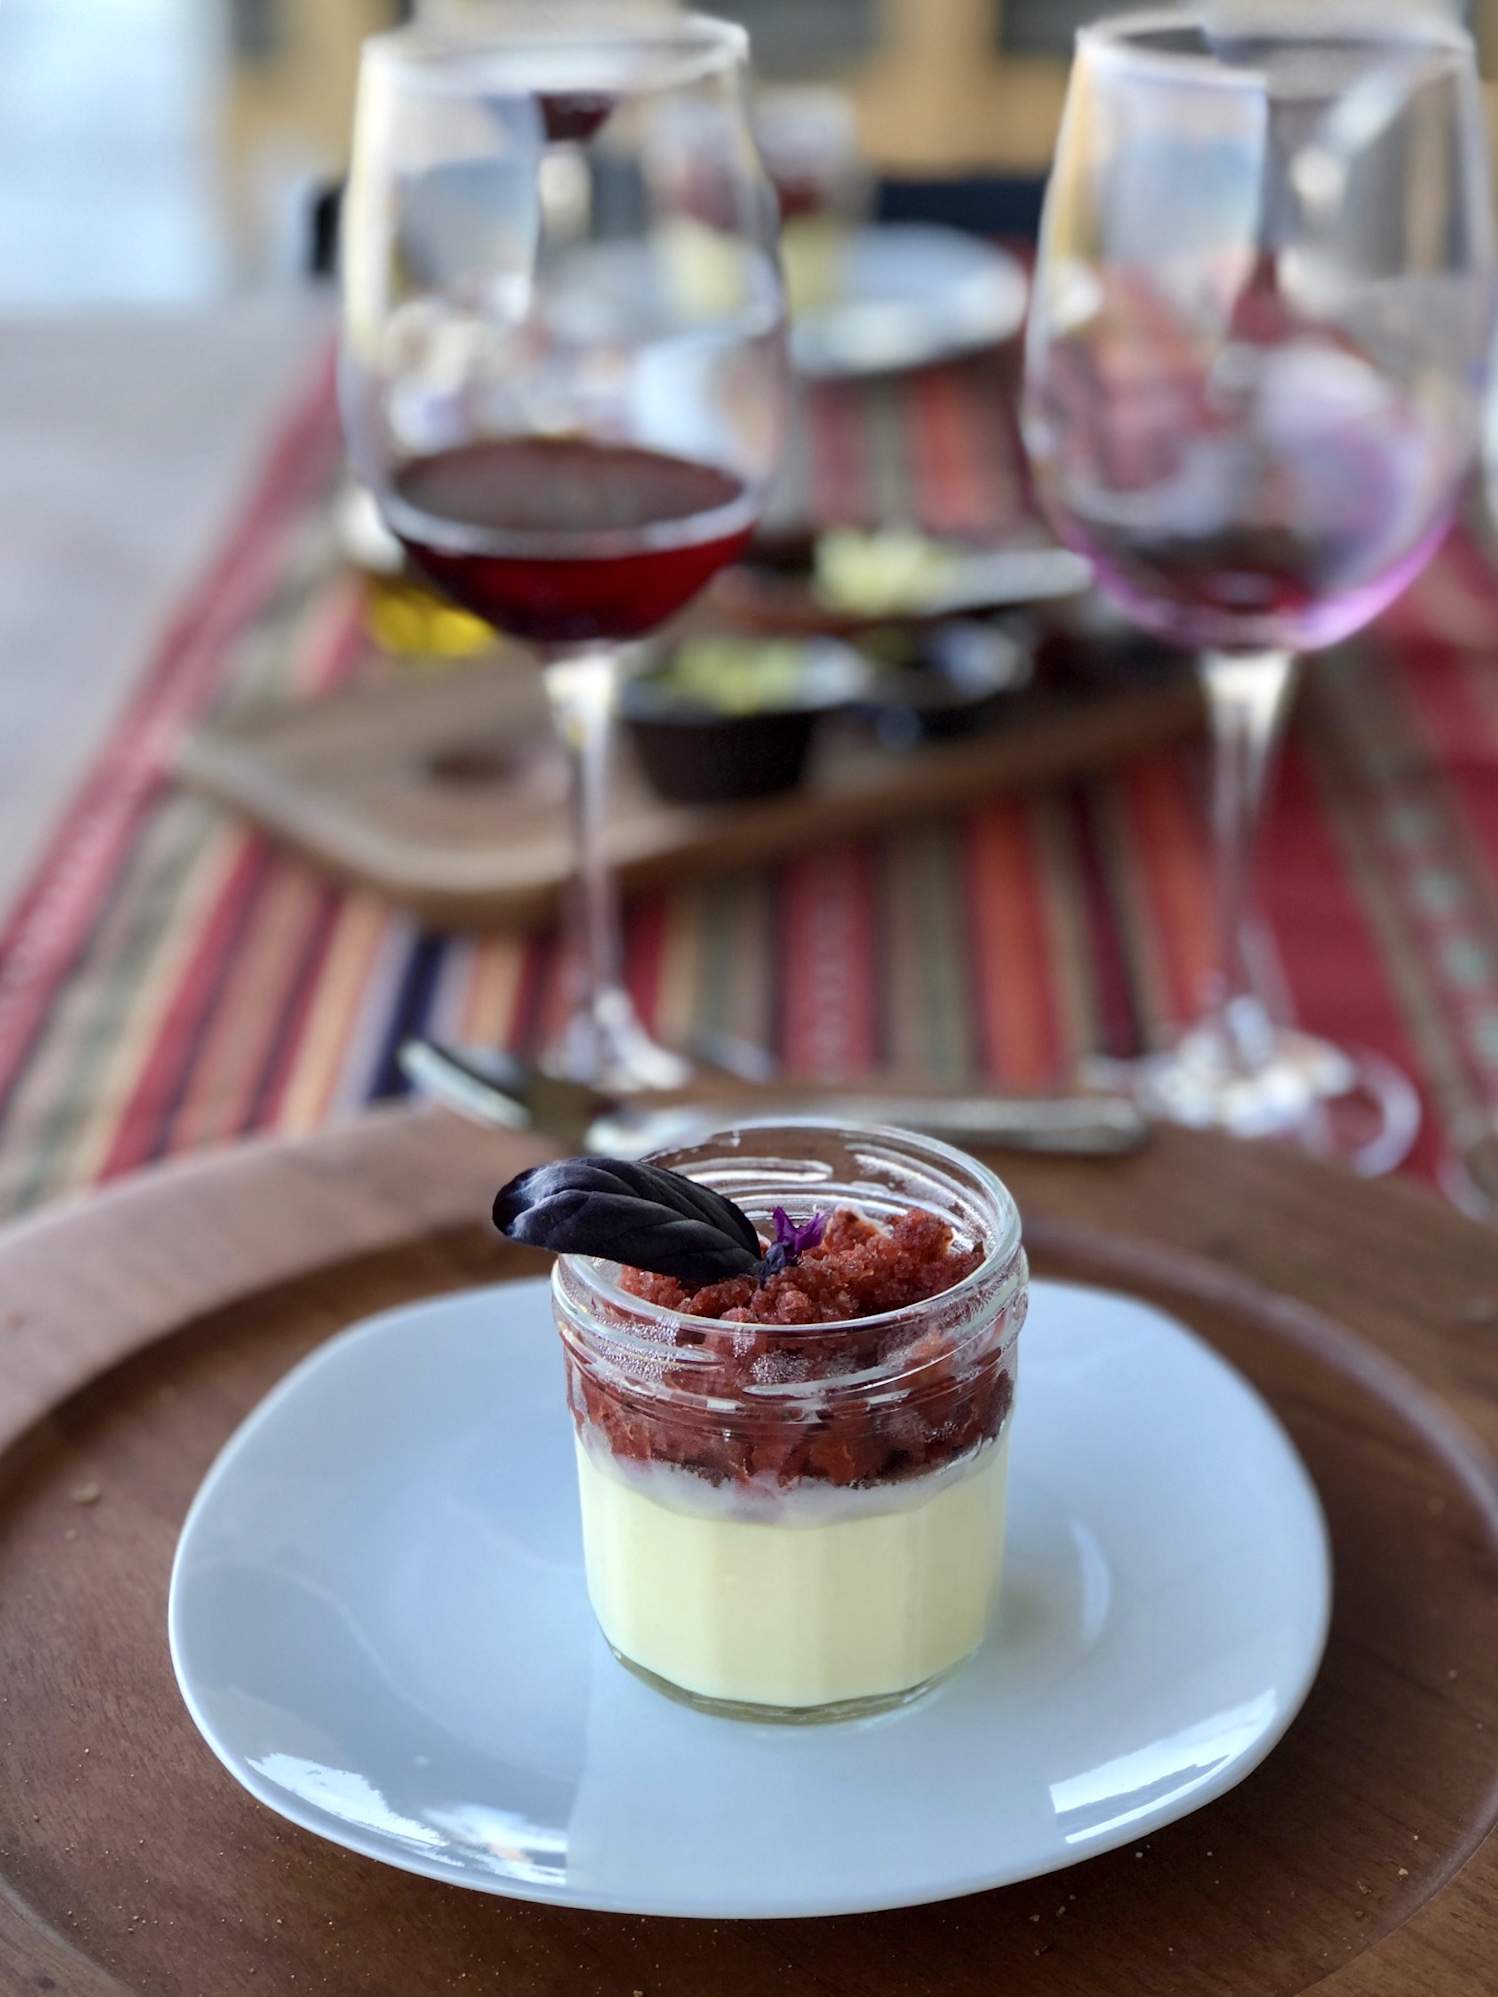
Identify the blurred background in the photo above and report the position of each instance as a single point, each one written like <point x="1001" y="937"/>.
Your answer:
<point x="169" y="151"/>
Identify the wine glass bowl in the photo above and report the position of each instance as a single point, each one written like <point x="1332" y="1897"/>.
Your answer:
<point x="563" y="371"/>
<point x="1254" y="376"/>
<point x="562" y="541"/>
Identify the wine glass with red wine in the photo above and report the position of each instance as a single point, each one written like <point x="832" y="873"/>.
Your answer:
<point x="1255" y="364"/>
<point x="563" y="371"/>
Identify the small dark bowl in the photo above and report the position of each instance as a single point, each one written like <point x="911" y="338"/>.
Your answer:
<point x="695" y="753"/>
<point x="717" y="759"/>
<point x="959" y="678"/>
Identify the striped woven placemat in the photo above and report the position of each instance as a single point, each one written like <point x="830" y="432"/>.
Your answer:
<point x="169" y="981"/>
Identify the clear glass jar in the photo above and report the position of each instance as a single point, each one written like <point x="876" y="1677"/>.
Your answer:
<point x="801" y="1521"/>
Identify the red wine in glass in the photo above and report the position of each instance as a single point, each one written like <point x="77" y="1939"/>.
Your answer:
<point x="571" y="117"/>
<point x="1277" y="493"/>
<point x="1311" y="588"/>
<point x="564" y="541"/>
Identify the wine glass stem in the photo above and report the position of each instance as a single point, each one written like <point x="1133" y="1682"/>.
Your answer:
<point x="582" y="688"/>
<point x="1248" y="696"/>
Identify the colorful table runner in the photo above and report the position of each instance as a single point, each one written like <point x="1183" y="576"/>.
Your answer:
<point x="170" y="981"/>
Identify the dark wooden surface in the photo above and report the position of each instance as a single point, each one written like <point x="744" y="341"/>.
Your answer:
<point x="137" y="1330"/>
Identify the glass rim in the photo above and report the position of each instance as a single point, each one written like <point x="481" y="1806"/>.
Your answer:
<point x="1119" y="37"/>
<point x="691" y="46"/>
<point x="1002" y="1257"/>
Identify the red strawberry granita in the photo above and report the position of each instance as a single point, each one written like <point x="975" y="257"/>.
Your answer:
<point x="946" y="1406"/>
<point x="857" y="1270"/>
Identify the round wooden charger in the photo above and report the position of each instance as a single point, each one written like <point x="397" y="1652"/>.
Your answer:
<point x="136" y="1330"/>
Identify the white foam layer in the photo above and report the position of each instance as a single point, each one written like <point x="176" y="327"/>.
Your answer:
<point x="764" y="1500"/>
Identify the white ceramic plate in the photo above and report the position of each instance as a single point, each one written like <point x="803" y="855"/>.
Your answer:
<point x="379" y="1622"/>
<point x="907" y="294"/>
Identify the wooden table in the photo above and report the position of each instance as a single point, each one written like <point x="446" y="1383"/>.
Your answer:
<point x="136" y="1330"/>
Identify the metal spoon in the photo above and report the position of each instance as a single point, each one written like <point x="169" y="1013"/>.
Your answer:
<point x="497" y="1088"/>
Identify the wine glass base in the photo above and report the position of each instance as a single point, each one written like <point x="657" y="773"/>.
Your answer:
<point x="605" y="1045"/>
<point x="1359" y="1108"/>
<point x="1461" y="1187"/>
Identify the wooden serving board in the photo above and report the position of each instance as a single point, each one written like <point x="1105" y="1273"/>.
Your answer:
<point x="138" y="1329"/>
<point x="447" y="792"/>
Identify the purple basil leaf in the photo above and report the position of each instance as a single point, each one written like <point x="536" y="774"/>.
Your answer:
<point x="636" y="1214"/>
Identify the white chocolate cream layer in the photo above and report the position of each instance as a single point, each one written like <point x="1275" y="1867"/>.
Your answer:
<point x="809" y="1609"/>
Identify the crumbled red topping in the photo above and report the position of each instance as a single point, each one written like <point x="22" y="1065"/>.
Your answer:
<point x="951" y="1402"/>
<point x="859" y="1270"/>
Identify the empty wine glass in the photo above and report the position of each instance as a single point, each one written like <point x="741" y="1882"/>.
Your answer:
<point x="563" y="370"/>
<point x="1256" y="356"/>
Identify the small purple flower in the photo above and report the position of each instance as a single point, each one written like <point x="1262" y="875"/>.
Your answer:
<point x="791" y="1241"/>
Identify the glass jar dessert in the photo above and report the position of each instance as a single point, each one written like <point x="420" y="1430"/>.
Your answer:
<point x="793" y="1484"/>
